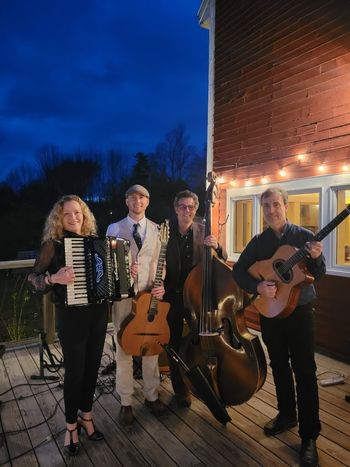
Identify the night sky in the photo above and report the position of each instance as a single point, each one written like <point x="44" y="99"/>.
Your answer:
<point x="99" y="74"/>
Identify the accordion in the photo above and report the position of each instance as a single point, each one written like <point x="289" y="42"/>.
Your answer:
<point x="101" y="268"/>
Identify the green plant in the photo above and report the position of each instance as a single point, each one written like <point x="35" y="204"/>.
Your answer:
<point x="19" y="308"/>
<point x="16" y="325"/>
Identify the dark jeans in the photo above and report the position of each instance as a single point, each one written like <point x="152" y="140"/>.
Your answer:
<point x="176" y="316"/>
<point x="290" y="344"/>
<point x="82" y="332"/>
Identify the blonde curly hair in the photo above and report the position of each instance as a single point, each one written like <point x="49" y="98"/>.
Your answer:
<point x="53" y="229"/>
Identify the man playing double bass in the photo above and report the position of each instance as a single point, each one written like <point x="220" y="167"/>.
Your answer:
<point x="184" y="251"/>
<point x="290" y="338"/>
<point x="145" y="247"/>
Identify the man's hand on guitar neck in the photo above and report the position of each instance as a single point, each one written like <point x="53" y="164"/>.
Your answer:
<point x="267" y="289"/>
<point x="158" y="292"/>
<point x="314" y="249"/>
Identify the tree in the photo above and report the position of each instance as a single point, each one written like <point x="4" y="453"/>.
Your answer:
<point x="66" y="174"/>
<point x="21" y="176"/>
<point x="175" y="153"/>
<point x="141" y="172"/>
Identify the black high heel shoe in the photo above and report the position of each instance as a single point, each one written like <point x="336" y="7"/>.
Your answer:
<point x="96" y="435"/>
<point x="72" y="448"/>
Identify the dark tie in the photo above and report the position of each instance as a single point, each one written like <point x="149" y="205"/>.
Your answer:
<point x="137" y="236"/>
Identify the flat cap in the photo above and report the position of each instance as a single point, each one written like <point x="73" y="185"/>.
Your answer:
<point x="137" y="189"/>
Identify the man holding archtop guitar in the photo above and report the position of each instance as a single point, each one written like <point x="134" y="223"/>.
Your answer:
<point x="145" y="246"/>
<point x="289" y="340"/>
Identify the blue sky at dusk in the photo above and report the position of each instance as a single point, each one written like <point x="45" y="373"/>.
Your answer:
<point x="99" y="74"/>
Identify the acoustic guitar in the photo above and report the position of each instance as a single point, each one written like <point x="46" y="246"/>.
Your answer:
<point x="287" y="269"/>
<point x="145" y="329"/>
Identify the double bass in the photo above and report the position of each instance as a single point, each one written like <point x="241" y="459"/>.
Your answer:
<point x="230" y="357"/>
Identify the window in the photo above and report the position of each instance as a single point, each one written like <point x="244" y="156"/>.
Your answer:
<point x="303" y="209"/>
<point x="343" y="230"/>
<point x="242" y="224"/>
<point x="313" y="203"/>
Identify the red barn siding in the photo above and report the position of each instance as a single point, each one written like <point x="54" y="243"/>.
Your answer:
<point x="282" y="82"/>
<point x="282" y="87"/>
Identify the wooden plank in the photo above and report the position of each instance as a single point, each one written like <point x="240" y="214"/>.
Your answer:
<point x="37" y="408"/>
<point x="179" y="437"/>
<point x="5" y="396"/>
<point x="244" y="444"/>
<point x="184" y="437"/>
<point x="148" y="423"/>
<point x="13" y="420"/>
<point x="142" y="449"/>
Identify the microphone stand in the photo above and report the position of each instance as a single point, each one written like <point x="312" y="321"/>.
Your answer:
<point x="54" y="365"/>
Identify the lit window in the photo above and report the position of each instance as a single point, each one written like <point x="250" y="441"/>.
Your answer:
<point x="343" y="230"/>
<point x="243" y="224"/>
<point x="303" y="210"/>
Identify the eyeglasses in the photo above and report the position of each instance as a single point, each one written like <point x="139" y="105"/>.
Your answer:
<point x="185" y="207"/>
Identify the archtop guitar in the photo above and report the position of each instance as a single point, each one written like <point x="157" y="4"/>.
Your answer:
<point x="287" y="269"/>
<point x="145" y="329"/>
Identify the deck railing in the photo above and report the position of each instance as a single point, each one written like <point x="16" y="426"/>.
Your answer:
<point x="22" y="313"/>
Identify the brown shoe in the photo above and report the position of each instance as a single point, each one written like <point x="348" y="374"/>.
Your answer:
<point x="126" y="416"/>
<point x="156" y="407"/>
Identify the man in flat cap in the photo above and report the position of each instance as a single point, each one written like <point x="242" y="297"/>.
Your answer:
<point x="145" y="248"/>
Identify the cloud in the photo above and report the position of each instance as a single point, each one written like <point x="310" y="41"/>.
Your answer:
<point x="100" y="73"/>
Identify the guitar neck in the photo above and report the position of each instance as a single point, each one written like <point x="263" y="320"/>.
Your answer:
<point x="333" y="224"/>
<point x="302" y="253"/>
<point x="159" y="273"/>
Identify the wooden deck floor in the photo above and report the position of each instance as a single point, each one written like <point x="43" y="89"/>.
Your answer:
<point x="32" y="424"/>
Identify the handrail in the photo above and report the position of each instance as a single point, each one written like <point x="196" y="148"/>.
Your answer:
<point x="17" y="264"/>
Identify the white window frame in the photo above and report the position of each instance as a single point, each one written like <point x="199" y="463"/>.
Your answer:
<point x="327" y="187"/>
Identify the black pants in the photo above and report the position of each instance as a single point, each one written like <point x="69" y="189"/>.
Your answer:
<point x="290" y="344"/>
<point x="82" y="332"/>
<point x="176" y="316"/>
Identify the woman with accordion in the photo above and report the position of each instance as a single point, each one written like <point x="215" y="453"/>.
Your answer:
<point x="81" y="329"/>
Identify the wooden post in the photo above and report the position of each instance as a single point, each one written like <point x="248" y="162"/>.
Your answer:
<point x="49" y="318"/>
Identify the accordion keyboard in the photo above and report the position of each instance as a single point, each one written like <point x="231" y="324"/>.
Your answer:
<point x="77" y="293"/>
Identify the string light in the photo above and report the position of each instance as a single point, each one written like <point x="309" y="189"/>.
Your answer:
<point x="282" y="173"/>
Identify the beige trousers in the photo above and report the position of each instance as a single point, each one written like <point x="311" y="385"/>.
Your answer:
<point x="124" y="374"/>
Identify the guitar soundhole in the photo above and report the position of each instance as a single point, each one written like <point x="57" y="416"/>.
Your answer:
<point x="285" y="276"/>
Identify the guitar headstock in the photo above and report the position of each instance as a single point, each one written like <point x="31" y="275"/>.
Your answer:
<point x="164" y="232"/>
